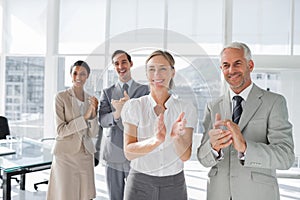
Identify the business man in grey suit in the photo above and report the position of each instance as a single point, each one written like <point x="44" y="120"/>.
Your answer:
<point x="111" y="103"/>
<point x="245" y="152"/>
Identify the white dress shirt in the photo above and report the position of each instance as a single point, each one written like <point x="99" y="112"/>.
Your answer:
<point x="244" y="94"/>
<point x="129" y="83"/>
<point x="162" y="161"/>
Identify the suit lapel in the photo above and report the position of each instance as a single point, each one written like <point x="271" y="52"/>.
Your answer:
<point x="252" y="104"/>
<point x="226" y="107"/>
<point x="132" y="89"/>
<point x="116" y="92"/>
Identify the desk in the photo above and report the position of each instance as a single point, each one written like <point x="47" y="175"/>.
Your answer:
<point x="31" y="156"/>
<point x="6" y="151"/>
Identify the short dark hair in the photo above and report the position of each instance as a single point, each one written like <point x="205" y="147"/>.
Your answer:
<point x="81" y="63"/>
<point x="120" y="52"/>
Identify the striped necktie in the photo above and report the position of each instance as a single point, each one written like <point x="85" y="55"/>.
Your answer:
<point x="237" y="110"/>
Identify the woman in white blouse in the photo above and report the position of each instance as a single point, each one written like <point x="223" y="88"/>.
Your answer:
<point x="72" y="170"/>
<point x="158" y="131"/>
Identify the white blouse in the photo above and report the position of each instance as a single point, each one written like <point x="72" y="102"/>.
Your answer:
<point x="162" y="161"/>
<point x="80" y="104"/>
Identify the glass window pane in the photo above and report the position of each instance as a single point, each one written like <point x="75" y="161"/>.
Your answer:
<point x="135" y="15"/>
<point x="263" y="24"/>
<point x="1" y="25"/>
<point x="150" y="14"/>
<point x="124" y="22"/>
<point x="297" y="28"/>
<point x="82" y="26"/>
<point x="26" y="22"/>
<point x="25" y="95"/>
<point x="207" y="33"/>
<point x="128" y="16"/>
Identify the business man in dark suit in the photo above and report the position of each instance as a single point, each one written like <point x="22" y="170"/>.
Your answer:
<point x="111" y="103"/>
<point x="246" y="139"/>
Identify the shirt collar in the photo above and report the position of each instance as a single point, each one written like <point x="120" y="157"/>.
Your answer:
<point x="167" y="104"/>
<point x="244" y="94"/>
<point x="129" y="83"/>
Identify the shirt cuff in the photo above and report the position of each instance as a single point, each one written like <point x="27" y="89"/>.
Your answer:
<point x="218" y="156"/>
<point x="88" y="123"/>
<point x="241" y="156"/>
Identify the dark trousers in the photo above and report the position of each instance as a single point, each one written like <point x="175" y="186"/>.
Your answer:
<point x="144" y="187"/>
<point x="116" y="175"/>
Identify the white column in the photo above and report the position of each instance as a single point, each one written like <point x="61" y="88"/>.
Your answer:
<point x="227" y="21"/>
<point x="2" y="61"/>
<point x="51" y="66"/>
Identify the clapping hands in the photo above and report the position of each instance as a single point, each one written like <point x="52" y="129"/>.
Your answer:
<point x="220" y="138"/>
<point x="178" y="128"/>
<point x="92" y="110"/>
<point x="118" y="105"/>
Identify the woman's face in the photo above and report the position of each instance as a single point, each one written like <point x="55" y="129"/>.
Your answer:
<point x="79" y="76"/>
<point x="159" y="72"/>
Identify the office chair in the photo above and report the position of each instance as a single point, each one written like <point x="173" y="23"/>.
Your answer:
<point x="4" y="131"/>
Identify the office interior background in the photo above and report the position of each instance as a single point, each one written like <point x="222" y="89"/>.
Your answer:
<point x="41" y="39"/>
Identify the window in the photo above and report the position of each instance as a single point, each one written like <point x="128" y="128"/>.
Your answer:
<point x="297" y="28"/>
<point x="263" y="24"/>
<point x="202" y="27"/>
<point x="137" y="14"/>
<point x="26" y="28"/>
<point x="25" y="96"/>
<point x="82" y="26"/>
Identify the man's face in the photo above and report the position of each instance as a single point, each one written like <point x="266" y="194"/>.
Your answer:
<point x="122" y="67"/>
<point x="236" y="69"/>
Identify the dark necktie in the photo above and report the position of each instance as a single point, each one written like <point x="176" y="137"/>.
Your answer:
<point x="125" y="87"/>
<point x="237" y="110"/>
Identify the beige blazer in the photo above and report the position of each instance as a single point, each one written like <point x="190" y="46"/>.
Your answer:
<point x="72" y="130"/>
<point x="268" y="133"/>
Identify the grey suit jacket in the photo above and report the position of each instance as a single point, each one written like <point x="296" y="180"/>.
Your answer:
<point x="72" y="130"/>
<point x="113" y="146"/>
<point x="268" y="133"/>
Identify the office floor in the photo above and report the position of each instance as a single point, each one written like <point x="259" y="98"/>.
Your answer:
<point x="196" y="177"/>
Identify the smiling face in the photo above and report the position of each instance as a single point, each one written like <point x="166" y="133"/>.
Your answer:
<point x="79" y="76"/>
<point x="159" y="72"/>
<point x="122" y="67"/>
<point x="236" y="69"/>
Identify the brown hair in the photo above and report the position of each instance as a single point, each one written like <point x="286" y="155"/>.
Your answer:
<point x="168" y="57"/>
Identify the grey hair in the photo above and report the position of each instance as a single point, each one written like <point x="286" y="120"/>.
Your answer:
<point x="241" y="46"/>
